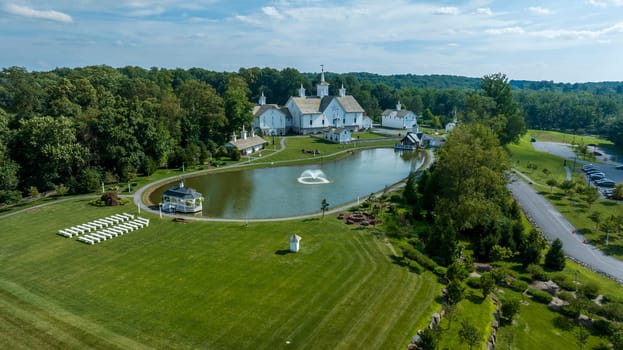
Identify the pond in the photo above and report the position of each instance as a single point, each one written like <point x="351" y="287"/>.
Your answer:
<point x="297" y="190"/>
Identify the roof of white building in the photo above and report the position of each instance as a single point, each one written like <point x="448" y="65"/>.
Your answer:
<point x="349" y="103"/>
<point x="258" y="110"/>
<point x="398" y="113"/>
<point x="248" y="142"/>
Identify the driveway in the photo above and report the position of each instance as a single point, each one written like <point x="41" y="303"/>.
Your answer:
<point x="554" y="225"/>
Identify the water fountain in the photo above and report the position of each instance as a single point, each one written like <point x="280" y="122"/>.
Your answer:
<point x="313" y="177"/>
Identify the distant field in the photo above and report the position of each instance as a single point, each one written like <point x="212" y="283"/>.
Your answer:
<point x="204" y="285"/>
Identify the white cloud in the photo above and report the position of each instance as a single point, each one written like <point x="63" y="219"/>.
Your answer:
<point x="448" y="10"/>
<point x="143" y="12"/>
<point x="506" y="30"/>
<point x="484" y="11"/>
<point x="272" y="12"/>
<point x="605" y="3"/>
<point x="538" y="10"/>
<point x="49" y="15"/>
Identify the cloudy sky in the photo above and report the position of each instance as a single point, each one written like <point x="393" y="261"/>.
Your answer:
<point x="566" y="40"/>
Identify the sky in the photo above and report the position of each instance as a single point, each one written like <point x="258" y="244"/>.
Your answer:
<point x="562" y="41"/>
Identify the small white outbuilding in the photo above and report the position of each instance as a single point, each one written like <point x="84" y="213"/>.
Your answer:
<point x="294" y="243"/>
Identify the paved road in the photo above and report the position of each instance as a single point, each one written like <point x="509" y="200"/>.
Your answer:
<point x="554" y="225"/>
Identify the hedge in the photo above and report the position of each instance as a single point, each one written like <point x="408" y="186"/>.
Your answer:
<point x="540" y="296"/>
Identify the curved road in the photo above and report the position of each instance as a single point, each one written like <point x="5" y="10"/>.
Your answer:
<point x="554" y="225"/>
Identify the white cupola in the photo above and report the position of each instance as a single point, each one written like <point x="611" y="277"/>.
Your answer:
<point x="322" y="89"/>
<point x="262" y="100"/>
<point x="398" y="106"/>
<point x="301" y="91"/>
<point x="243" y="134"/>
<point x="342" y="91"/>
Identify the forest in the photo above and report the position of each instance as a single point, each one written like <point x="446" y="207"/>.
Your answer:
<point x="75" y="128"/>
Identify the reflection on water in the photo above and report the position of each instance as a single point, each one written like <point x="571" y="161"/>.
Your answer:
<point x="277" y="192"/>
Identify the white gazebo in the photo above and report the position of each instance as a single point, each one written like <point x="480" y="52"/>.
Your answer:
<point x="294" y="243"/>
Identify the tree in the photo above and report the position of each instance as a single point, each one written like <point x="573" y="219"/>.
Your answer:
<point x="469" y="334"/>
<point x="509" y="309"/>
<point x="410" y="192"/>
<point x="428" y="340"/>
<point x="487" y="284"/>
<point x="455" y="291"/>
<point x="236" y="102"/>
<point x="456" y="272"/>
<point x="591" y="195"/>
<point x="555" y="257"/>
<point x="324" y="205"/>
<point x="567" y="186"/>
<point x="551" y="183"/>
<point x="596" y="218"/>
<point x="451" y="313"/>
<point x="581" y="336"/>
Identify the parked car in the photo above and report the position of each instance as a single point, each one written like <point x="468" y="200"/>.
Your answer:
<point x="605" y="183"/>
<point x="593" y="171"/>
<point x="588" y="166"/>
<point x="620" y="167"/>
<point x="597" y="176"/>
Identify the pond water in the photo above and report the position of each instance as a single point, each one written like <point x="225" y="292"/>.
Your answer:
<point x="296" y="190"/>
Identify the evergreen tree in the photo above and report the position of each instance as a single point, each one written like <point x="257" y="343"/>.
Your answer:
<point x="555" y="258"/>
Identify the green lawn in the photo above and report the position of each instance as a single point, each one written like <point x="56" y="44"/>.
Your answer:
<point x="537" y="327"/>
<point x="204" y="285"/>
<point x="575" y="209"/>
<point x="475" y="310"/>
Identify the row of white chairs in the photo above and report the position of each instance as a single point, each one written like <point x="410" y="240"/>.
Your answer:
<point x="115" y="231"/>
<point x="95" y="225"/>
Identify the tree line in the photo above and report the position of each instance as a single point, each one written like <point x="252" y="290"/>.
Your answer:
<point x="81" y="126"/>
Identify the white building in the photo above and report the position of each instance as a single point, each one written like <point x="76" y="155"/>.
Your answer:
<point x="270" y="118"/>
<point x="312" y="114"/>
<point x="451" y="125"/>
<point x="182" y="199"/>
<point x="338" y="135"/>
<point x="399" y="118"/>
<point x="295" y="243"/>
<point x="246" y="144"/>
<point x="367" y="122"/>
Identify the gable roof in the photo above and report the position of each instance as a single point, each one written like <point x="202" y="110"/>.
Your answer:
<point x="307" y="105"/>
<point x="248" y="142"/>
<point x="399" y="113"/>
<point x="410" y="139"/>
<point x="350" y="104"/>
<point x="259" y="110"/>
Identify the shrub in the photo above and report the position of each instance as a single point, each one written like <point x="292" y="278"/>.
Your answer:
<point x="566" y="296"/>
<point x="570" y="311"/>
<point x="564" y="281"/>
<point x="473" y="282"/>
<point x="518" y="285"/>
<point x="509" y="309"/>
<point x="602" y="327"/>
<point x="589" y="289"/>
<point x="536" y="272"/>
<point x="411" y="253"/>
<point x="612" y="311"/>
<point x="540" y="296"/>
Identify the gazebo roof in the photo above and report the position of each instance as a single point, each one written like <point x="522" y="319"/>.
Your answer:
<point x="182" y="192"/>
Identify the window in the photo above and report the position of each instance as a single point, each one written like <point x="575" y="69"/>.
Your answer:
<point x="344" y="121"/>
<point x="310" y="122"/>
<point x="323" y="122"/>
<point x="355" y="120"/>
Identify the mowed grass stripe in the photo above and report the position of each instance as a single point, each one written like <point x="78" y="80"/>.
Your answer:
<point x="333" y="325"/>
<point x="63" y="316"/>
<point x="318" y="296"/>
<point x="271" y="328"/>
<point x="199" y="285"/>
